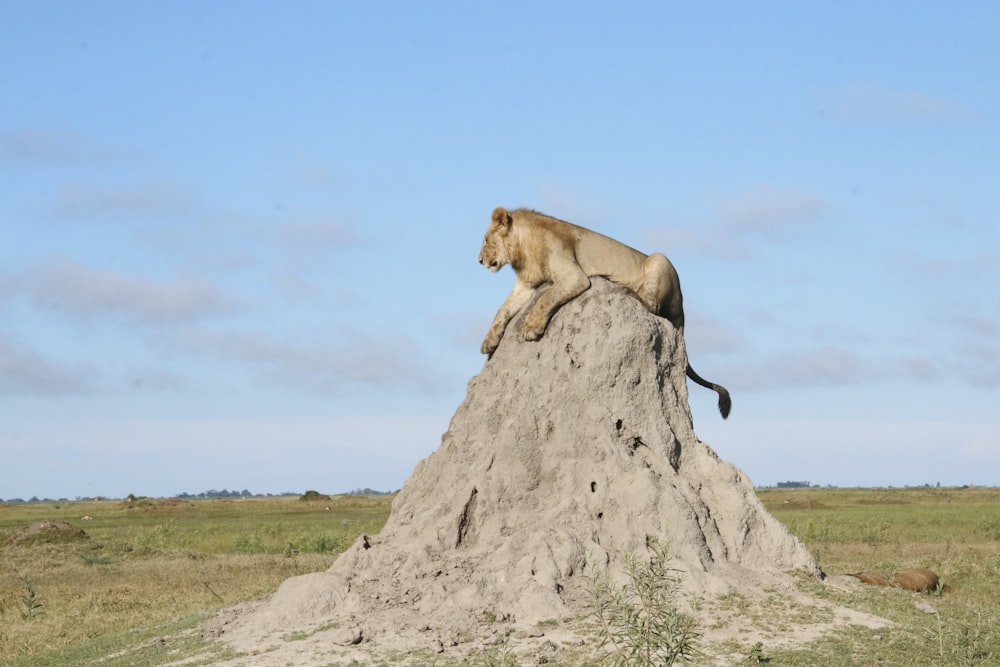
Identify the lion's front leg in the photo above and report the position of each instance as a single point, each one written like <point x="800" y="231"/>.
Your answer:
<point x="571" y="285"/>
<point x="515" y="300"/>
<point x="492" y="340"/>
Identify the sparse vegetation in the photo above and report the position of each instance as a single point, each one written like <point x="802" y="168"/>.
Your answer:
<point x="756" y="656"/>
<point x="31" y="606"/>
<point x="947" y="530"/>
<point x="499" y="654"/>
<point x="147" y="564"/>
<point x="639" y="622"/>
<point x="151" y="570"/>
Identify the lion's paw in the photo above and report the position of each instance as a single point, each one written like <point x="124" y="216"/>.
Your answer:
<point x="532" y="334"/>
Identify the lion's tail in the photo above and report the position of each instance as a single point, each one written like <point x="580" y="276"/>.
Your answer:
<point x="725" y="402"/>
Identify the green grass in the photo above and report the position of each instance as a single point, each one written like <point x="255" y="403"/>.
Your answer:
<point x="149" y="563"/>
<point x="139" y="647"/>
<point x="134" y="591"/>
<point x="953" y="531"/>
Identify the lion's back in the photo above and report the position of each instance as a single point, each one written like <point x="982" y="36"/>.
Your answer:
<point x="597" y="254"/>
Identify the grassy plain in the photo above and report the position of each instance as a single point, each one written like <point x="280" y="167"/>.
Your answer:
<point x="953" y="531"/>
<point x="151" y="569"/>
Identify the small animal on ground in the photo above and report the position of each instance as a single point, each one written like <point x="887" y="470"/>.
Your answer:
<point x="548" y="252"/>
<point x="916" y="579"/>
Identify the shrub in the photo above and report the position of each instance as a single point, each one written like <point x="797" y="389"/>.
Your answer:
<point x="638" y="621"/>
<point x="313" y="496"/>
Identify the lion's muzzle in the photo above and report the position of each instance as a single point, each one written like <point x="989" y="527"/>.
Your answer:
<point x="493" y="266"/>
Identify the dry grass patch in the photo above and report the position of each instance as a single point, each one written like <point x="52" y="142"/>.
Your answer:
<point x="952" y="531"/>
<point x="132" y="594"/>
<point x="149" y="563"/>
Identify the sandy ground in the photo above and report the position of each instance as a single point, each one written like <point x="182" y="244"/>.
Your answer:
<point x="778" y="616"/>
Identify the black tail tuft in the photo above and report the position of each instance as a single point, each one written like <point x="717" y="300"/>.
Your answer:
<point x="725" y="402"/>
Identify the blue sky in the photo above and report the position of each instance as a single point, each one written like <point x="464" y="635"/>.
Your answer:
<point x="238" y="240"/>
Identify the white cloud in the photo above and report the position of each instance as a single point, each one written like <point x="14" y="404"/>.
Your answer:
<point x="965" y="269"/>
<point x="24" y="371"/>
<point x="83" y="291"/>
<point x="314" y="175"/>
<point x="979" y="361"/>
<point x="769" y="210"/>
<point x="707" y="334"/>
<point x="823" y="367"/>
<point x="573" y="206"/>
<point x="700" y="238"/>
<point x="343" y="362"/>
<point x="874" y="103"/>
<point x="266" y="452"/>
<point x="316" y="233"/>
<point x="302" y="244"/>
<point x="148" y="378"/>
<point x="87" y="199"/>
<point x="732" y="223"/>
<point x="918" y="368"/>
<point x="858" y="452"/>
<point x="47" y="147"/>
<point x="979" y="325"/>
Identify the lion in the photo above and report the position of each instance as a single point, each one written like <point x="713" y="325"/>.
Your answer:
<point x="544" y="250"/>
<point x="917" y="579"/>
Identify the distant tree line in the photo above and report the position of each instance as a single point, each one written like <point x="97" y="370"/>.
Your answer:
<point x="211" y="493"/>
<point x="807" y="485"/>
<point x="369" y="492"/>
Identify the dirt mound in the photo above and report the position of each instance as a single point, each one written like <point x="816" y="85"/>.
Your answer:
<point x="47" y="532"/>
<point x="566" y="454"/>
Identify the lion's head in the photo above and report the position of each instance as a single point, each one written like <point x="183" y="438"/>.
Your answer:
<point x="494" y="255"/>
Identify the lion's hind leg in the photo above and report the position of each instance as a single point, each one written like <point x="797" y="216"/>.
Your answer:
<point x="660" y="290"/>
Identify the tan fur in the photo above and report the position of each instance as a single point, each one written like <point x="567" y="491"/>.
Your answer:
<point x="544" y="250"/>
<point x="909" y="579"/>
<point x="872" y="578"/>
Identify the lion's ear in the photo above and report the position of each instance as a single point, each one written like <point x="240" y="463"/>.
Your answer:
<point x="502" y="219"/>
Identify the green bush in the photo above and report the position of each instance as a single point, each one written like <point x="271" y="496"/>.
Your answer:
<point x="638" y="621"/>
